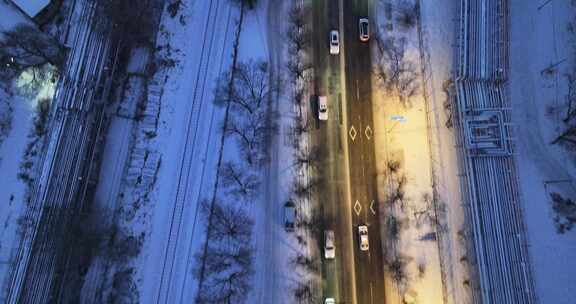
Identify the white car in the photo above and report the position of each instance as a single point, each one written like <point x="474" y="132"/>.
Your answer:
<point x="322" y="108"/>
<point x="334" y="42"/>
<point x="329" y="301"/>
<point x="364" y="29"/>
<point x="329" y="249"/>
<point x="363" y="237"/>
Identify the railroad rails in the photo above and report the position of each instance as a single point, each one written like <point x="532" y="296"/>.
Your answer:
<point x="59" y="190"/>
<point x="486" y="155"/>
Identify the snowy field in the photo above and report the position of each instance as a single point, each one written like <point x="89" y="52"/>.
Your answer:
<point x="539" y="39"/>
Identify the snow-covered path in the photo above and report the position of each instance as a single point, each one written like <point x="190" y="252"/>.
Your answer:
<point x="12" y="196"/>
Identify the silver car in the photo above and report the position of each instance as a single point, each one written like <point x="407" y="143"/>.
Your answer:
<point x="334" y="42"/>
<point x="363" y="237"/>
<point x="322" y="108"/>
<point x="329" y="249"/>
<point x="364" y="29"/>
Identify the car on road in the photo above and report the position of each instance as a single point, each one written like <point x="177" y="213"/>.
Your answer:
<point x="329" y="249"/>
<point x="363" y="237"/>
<point x="334" y="42"/>
<point x="289" y="216"/>
<point x="364" y="29"/>
<point x="329" y="301"/>
<point x="323" y="108"/>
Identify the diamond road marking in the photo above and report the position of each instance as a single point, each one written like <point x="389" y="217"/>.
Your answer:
<point x="368" y="132"/>
<point x="357" y="207"/>
<point x="352" y="133"/>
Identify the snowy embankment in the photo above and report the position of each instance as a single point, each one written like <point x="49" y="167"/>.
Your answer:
<point x="437" y="36"/>
<point x="409" y="219"/>
<point x="542" y="46"/>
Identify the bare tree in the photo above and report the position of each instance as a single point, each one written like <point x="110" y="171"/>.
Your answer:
<point x="298" y="34"/>
<point x="250" y="132"/>
<point x="567" y="137"/>
<point x="251" y="88"/>
<point x="240" y="183"/>
<point x="448" y="88"/>
<point x="397" y="269"/>
<point x="225" y="268"/>
<point x="25" y="46"/>
<point x="298" y="66"/>
<point x="228" y="276"/>
<point x="565" y="212"/>
<point x="570" y="97"/>
<point x="313" y="222"/>
<point x="301" y="125"/>
<point x="407" y="13"/>
<point x="397" y="195"/>
<point x="134" y="22"/>
<point x="305" y="262"/>
<point x="303" y="189"/>
<point x="393" y="227"/>
<point x="303" y="293"/>
<point x="309" y="158"/>
<point x="230" y="224"/>
<point x="394" y="72"/>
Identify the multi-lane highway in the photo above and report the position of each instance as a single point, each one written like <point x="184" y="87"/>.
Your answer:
<point x="348" y="193"/>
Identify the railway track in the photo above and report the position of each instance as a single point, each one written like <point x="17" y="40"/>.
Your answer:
<point x="168" y="289"/>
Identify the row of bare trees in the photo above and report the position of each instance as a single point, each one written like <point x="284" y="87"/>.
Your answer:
<point x="228" y="264"/>
<point x="248" y="97"/>
<point x="225" y="266"/>
<point x="309" y="221"/>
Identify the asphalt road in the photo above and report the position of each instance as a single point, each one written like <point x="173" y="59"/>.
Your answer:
<point x="354" y="276"/>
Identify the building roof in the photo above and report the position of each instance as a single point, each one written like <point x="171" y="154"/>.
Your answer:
<point x="31" y="7"/>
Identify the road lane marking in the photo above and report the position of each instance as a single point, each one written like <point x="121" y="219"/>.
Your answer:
<point x="371" y="294"/>
<point x="352" y="133"/>
<point x="372" y="207"/>
<point x="357" y="207"/>
<point x="368" y="132"/>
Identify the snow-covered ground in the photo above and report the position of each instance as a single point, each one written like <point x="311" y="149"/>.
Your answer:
<point x="539" y="39"/>
<point x="12" y="197"/>
<point x="437" y="51"/>
<point x="199" y="39"/>
<point x="402" y="135"/>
